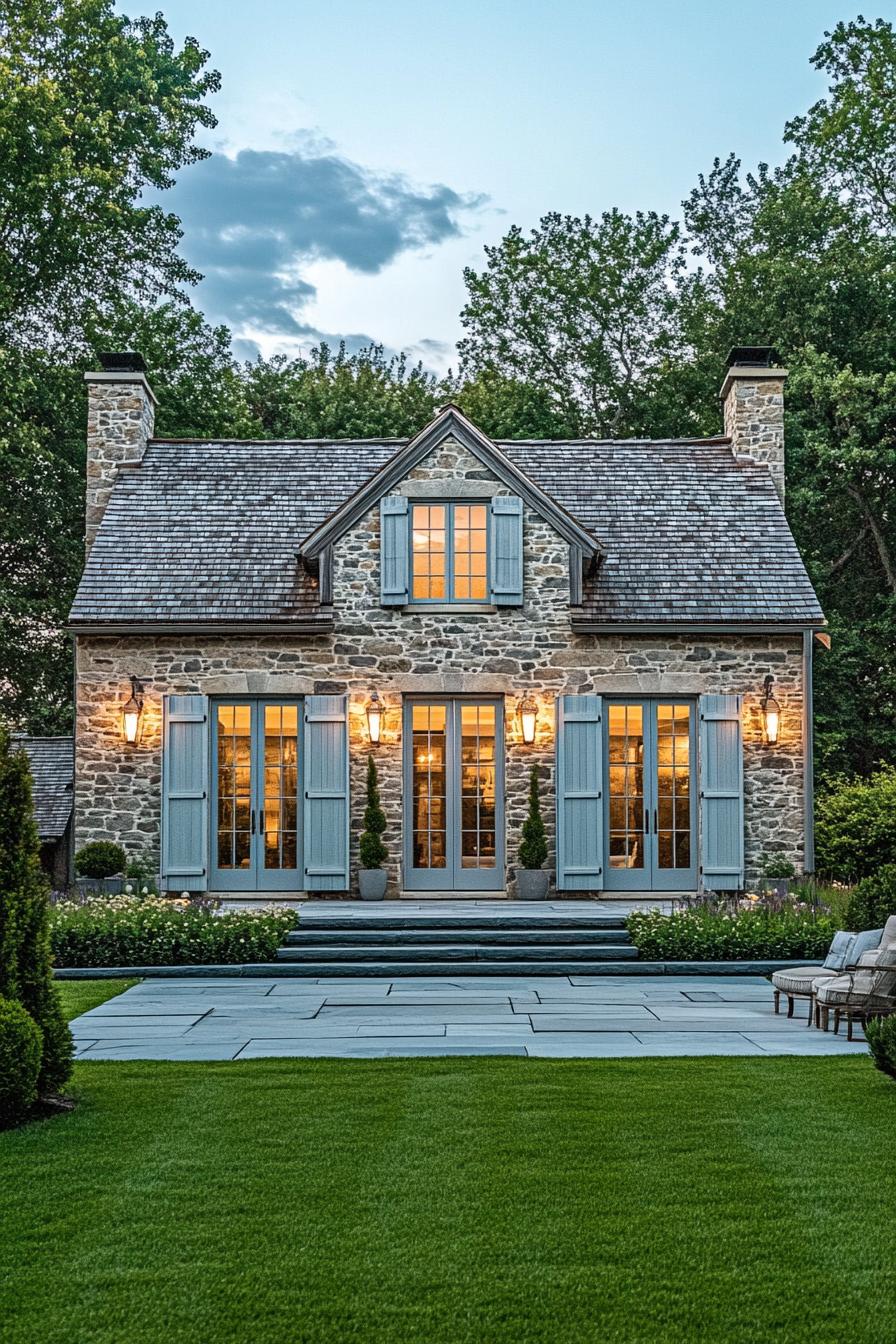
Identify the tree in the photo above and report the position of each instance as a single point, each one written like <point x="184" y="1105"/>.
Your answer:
<point x="584" y="312"/>
<point x="534" y="846"/>
<point x="373" y="853"/>
<point x="25" y="958"/>
<point x="366" y="395"/>
<point x="95" y="109"/>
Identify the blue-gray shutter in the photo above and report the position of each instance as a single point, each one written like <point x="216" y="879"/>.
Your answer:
<point x="325" y="763"/>
<point x="580" y="807"/>
<point x="185" y="779"/>
<point x="394" y="550"/>
<point x="506" y="551"/>
<point x="721" y="793"/>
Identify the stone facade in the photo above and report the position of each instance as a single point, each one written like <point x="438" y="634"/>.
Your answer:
<point x="120" y="420"/>
<point x="753" y="408"/>
<point x="504" y="652"/>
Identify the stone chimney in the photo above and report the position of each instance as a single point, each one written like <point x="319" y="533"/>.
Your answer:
<point x="121" y="410"/>
<point x="753" y="408"/>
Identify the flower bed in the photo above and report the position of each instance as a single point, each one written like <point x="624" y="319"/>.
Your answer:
<point x="736" y="935"/>
<point x="134" y="931"/>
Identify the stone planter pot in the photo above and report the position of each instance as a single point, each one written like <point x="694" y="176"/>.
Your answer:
<point x="532" y="884"/>
<point x="372" y="883"/>
<point x="99" y="886"/>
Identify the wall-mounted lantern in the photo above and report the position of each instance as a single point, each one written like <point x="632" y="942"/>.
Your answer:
<point x="375" y="712"/>
<point x="771" y="712"/>
<point x="132" y="713"/>
<point x="527" y="712"/>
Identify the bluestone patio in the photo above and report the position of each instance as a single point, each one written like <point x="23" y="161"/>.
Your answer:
<point x="197" y="1018"/>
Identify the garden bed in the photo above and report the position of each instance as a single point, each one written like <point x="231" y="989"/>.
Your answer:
<point x="719" y="935"/>
<point x="131" y="932"/>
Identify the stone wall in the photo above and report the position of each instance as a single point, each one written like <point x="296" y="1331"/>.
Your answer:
<point x="120" y="420"/>
<point x="504" y="652"/>
<point x="753" y="404"/>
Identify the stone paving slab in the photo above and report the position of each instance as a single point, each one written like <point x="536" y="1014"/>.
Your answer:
<point x="547" y="1017"/>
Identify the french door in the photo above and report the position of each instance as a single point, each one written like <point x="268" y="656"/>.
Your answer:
<point x="650" y="774"/>
<point x="256" y="817"/>
<point x="454" y="795"/>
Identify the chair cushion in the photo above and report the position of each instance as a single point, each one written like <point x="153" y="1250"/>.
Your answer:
<point x="837" y="958"/>
<point x="888" y="937"/>
<point x="863" y="943"/>
<point x="799" y="979"/>
<point x="844" y="989"/>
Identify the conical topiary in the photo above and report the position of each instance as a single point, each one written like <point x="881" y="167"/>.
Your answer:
<point x="534" y="846"/>
<point x="373" y="852"/>
<point x="25" y="956"/>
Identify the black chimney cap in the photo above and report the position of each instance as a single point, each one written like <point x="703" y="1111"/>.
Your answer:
<point x="754" y="356"/>
<point x="127" y="362"/>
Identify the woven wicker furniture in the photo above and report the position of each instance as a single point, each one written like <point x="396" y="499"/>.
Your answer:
<point x="798" y="982"/>
<point x="869" y="991"/>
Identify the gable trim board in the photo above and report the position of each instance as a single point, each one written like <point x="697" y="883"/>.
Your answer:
<point x="449" y="423"/>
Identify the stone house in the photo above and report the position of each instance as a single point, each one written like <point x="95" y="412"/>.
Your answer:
<point x="256" y="619"/>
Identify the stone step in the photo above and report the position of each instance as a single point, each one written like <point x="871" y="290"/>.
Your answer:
<point x="402" y="954"/>
<point x="354" y="936"/>
<point x="461" y="923"/>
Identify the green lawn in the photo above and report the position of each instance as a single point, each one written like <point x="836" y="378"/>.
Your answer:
<point x="455" y="1200"/>
<point x="78" y="996"/>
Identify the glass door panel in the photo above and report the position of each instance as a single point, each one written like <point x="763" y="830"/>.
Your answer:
<point x="625" y="747"/>
<point x="650" y="821"/>
<point x="428" y="790"/>
<point x="255" y="796"/>
<point x="454" y="792"/>
<point x="477" y="787"/>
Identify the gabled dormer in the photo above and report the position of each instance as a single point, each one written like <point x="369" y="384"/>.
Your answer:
<point x="455" y="540"/>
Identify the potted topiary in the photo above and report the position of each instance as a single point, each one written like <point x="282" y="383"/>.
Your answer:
<point x="780" y="872"/>
<point x="532" y="881"/>
<point x="373" y="877"/>
<point x="102" y="864"/>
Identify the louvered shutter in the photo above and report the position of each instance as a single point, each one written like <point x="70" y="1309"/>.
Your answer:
<point x="394" y="545"/>
<point x="325" y="765"/>
<point x="721" y="793"/>
<point x="185" y="792"/>
<point x="506" y="551"/>
<point x="580" y="807"/>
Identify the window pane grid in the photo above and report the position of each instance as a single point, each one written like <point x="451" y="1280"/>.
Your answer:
<point x="449" y="552"/>
<point x="428" y="786"/>
<point x="626" y="753"/>
<point x="234" y="786"/>
<point x="478" y="816"/>
<point x="673" y="753"/>
<point x="280" y="811"/>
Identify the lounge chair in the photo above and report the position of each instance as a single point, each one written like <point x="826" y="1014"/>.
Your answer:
<point x="867" y="992"/>
<point x="845" y="951"/>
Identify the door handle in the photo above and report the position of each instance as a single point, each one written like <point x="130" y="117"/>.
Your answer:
<point x="261" y="822"/>
<point x="646" y="821"/>
<point x="253" y="821"/>
<point x="654" y="821"/>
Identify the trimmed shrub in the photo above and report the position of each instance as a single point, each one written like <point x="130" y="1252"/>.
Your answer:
<point x="20" y="1055"/>
<point x="130" y="931"/>
<point x="25" y="966"/>
<point x="745" y="935"/>
<point x="534" y="845"/>
<point x="880" y="1033"/>
<point x="873" y="900"/>
<point x="101" y="858"/>
<point x="373" y="853"/>
<point x="855" y="826"/>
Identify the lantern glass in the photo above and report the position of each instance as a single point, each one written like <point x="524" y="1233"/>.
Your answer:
<point x="131" y="720"/>
<point x="374" y="718"/>
<point x="772" y="722"/>
<point x="528" y="713"/>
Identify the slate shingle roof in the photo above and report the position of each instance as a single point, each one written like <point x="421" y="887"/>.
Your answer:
<point x="208" y="532"/>
<point x="52" y="761"/>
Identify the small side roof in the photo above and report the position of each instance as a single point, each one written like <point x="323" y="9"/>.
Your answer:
<point x="52" y="762"/>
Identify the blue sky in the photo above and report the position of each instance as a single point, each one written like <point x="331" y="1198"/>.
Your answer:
<point x="365" y="153"/>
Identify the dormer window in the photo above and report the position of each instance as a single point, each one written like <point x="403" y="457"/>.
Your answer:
<point x="449" y="552"/>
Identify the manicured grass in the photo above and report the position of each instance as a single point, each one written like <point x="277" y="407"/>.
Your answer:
<point x="456" y="1200"/>
<point x="79" y="996"/>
